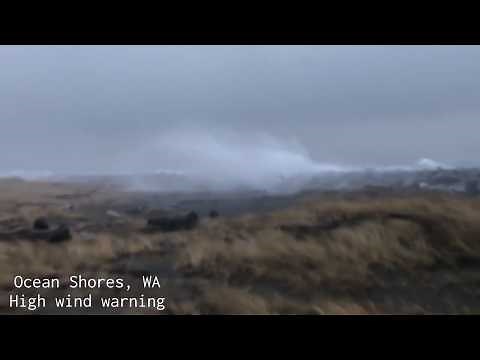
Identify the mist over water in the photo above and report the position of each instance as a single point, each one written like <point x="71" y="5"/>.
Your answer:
<point x="226" y="160"/>
<point x="192" y="159"/>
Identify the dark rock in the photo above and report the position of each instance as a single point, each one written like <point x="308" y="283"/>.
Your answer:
<point x="60" y="234"/>
<point x="175" y="222"/>
<point x="214" y="214"/>
<point x="41" y="224"/>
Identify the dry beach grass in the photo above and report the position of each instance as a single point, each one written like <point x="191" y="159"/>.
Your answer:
<point x="327" y="254"/>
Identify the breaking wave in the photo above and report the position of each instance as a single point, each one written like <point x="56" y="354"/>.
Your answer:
<point x="220" y="160"/>
<point x="225" y="160"/>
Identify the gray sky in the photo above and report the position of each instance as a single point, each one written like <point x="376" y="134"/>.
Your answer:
<point x="114" y="108"/>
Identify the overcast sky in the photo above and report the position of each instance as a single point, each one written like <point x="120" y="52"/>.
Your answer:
<point x="92" y="108"/>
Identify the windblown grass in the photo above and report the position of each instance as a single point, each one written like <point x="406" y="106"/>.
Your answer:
<point x="330" y="254"/>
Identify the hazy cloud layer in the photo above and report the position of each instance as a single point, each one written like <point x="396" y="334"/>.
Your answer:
<point x="225" y="108"/>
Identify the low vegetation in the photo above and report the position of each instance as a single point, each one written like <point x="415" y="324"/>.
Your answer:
<point x="330" y="254"/>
